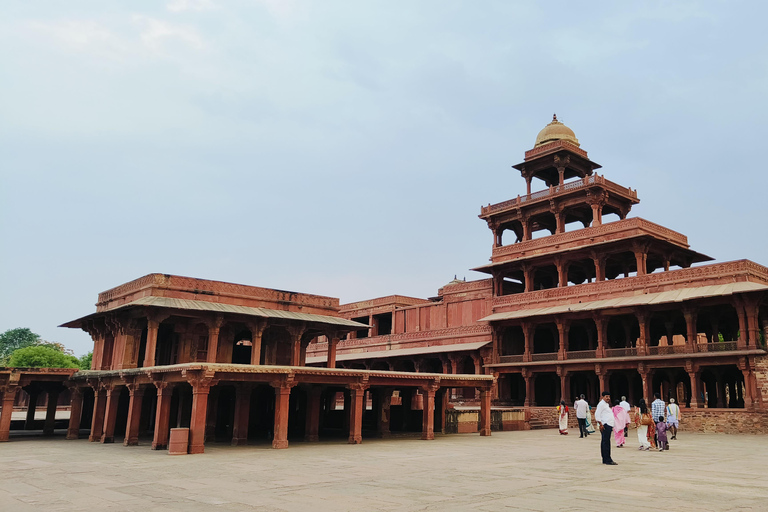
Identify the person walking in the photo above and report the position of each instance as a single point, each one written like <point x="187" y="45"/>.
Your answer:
<point x="642" y="420"/>
<point x="621" y="419"/>
<point x="657" y="409"/>
<point x="625" y="405"/>
<point x="582" y="407"/>
<point x="562" y="411"/>
<point x="673" y="418"/>
<point x="661" y="434"/>
<point x="604" y="418"/>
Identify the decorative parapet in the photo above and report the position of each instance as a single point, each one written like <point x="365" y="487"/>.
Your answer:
<point x="571" y="238"/>
<point x="210" y="288"/>
<point x="554" y="146"/>
<point x="734" y="271"/>
<point x="553" y="192"/>
<point x="405" y="337"/>
<point x="398" y="300"/>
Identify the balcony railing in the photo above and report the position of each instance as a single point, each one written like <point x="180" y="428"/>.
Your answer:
<point x="580" y="354"/>
<point x="667" y="349"/>
<point x="544" y="357"/>
<point x="722" y="346"/>
<point x="620" y="352"/>
<point x="511" y="359"/>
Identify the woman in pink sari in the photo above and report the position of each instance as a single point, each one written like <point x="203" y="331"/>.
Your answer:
<point x="621" y="419"/>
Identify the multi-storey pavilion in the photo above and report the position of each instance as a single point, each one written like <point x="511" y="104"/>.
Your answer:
<point x="581" y="300"/>
<point x="228" y="362"/>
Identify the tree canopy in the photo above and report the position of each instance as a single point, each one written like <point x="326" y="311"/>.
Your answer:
<point x="42" y="356"/>
<point x="14" y="339"/>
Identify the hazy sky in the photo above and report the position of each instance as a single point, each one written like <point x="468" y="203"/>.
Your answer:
<point x="345" y="148"/>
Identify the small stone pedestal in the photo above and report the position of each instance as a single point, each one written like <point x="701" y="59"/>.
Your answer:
<point x="179" y="441"/>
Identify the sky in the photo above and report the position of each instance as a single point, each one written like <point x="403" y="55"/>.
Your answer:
<point x="344" y="148"/>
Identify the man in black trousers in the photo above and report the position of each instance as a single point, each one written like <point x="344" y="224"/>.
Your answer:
<point x="604" y="418"/>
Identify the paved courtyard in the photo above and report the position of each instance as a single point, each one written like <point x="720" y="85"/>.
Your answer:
<point x="535" y="470"/>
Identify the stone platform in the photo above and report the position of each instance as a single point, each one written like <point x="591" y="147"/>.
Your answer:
<point x="517" y="471"/>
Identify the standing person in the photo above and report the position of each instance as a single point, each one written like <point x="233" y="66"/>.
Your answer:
<point x="620" y="418"/>
<point x="642" y="420"/>
<point x="605" y="421"/>
<point x="673" y="417"/>
<point x="562" y="411"/>
<point x="626" y="407"/>
<point x="657" y="409"/>
<point x="582" y="408"/>
<point x="661" y="434"/>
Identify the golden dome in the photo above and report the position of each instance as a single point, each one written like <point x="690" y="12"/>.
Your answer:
<point x="555" y="131"/>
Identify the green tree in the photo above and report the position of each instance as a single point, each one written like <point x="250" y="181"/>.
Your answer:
<point x="14" y="339"/>
<point x="42" y="356"/>
<point x="85" y="361"/>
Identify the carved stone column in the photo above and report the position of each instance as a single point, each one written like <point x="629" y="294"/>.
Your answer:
<point x="602" y="333"/>
<point x="644" y="321"/>
<point x="385" y="404"/>
<point x="333" y="342"/>
<point x="691" y="340"/>
<point x="428" y="416"/>
<point x="242" y="414"/>
<point x="75" y="412"/>
<point x="528" y="330"/>
<point x="134" y="414"/>
<point x="694" y="375"/>
<point x="357" y="403"/>
<point x="99" y="406"/>
<point x="529" y="377"/>
<point x="110" y="412"/>
<point x="201" y="387"/>
<point x="485" y="412"/>
<point x="162" y="415"/>
<point x="257" y="331"/>
<point x="214" y="328"/>
<point x="563" y="328"/>
<point x="153" y="326"/>
<point x="9" y="397"/>
<point x="282" y="409"/>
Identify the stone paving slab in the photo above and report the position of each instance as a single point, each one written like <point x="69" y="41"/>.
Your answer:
<point x="536" y="470"/>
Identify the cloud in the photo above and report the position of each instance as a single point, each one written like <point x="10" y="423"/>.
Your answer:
<point x="155" y="33"/>
<point x="190" y="5"/>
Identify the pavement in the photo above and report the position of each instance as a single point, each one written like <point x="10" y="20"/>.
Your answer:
<point x="537" y="470"/>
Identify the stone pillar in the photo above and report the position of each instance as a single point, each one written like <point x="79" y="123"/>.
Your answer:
<point x="644" y="321"/>
<point x="384" y="403"/>
<point x="110" y="413"/>
<point x="485" y="412"/>
<point x="597" y="214"/>
<point x="162" y="415"/>
<point x="153" y="326"/>
<point x="428" y="417"/>
<point x="214" y="328"/>
<point x="257" y="332"/>
<point x="599" y="262"/>
<point x="526" y="227"/>
<point x="602" y="376"/>
<point x="9" y="397"/>
<point x="752" y="310"/>
<point x="357" y="399"/>
<point x="565" y="393"/>
<point x="743" y="340"/>
<point x="134" y="414"/>
<point x="641" y="259"/>
<point x="314" y="405"/>
<point x="75" y="412"/>
<point x="602" y="333"/>
<point x="99" y="406"/>
<point x="694" y="374"/>
<point x="31" y="409"/>
<point x="562" y="330"/>
<point x="690" y="327"/>
<point x="748" y="397"/>
<point x="201" y="387"/>
<point x="333" y="342"/>
<point x="528" y="377"/>
<point x="528" y="335"/>
<point x="720" y="384"/>
<point x="528" y="180"/>
<point x="282" y="409"/>
<point x="50" y="413"/>
<point x="242" y="414"/>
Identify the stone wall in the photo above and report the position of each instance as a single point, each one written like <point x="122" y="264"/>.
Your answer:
<point x="725" y="421"/>
<point x="761" y="376"/>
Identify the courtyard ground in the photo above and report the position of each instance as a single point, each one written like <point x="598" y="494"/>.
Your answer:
<point x="535" y="470"/>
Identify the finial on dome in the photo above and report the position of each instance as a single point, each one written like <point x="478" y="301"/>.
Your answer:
<point x="556" y="131"/>
<point x="554" y="118"/>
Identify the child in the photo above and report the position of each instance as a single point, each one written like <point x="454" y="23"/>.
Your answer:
<point x="661" y="433"/>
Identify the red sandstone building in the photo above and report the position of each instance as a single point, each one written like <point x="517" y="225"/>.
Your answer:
<point x="589" y="305"/>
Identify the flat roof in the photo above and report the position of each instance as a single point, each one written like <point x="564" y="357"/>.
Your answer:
<point x="400" y="352"/>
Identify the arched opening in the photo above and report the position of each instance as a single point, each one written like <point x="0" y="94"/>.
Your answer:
<point x="623" y="264"/>
<point x="545" y="277"/>
<point x="276" y="346"/>
<point x="512" y="341"/>
<point x="431" y="365"/>
<point x="243" y="347"/>
<point x="582" y="336"/>
<point x="380" y="365"/>
<point x="404" y="365"/>
<point x="585" y="383"/>
<point x="545" y="339"/>
<point x="623" y="332"/>
<point x="106" y="354"/>
<point x="167" y="348"/>
<point x="547" y="389"/>
<point x="515" y="389"/>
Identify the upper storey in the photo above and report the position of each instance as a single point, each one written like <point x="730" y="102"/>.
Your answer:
<point x="555" y="158"/>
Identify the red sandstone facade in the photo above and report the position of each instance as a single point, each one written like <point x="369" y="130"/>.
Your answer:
<point x="609" y="305"/>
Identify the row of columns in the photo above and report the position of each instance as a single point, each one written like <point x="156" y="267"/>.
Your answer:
<point x="106" y="397"/>
<point x="9" y="395"/>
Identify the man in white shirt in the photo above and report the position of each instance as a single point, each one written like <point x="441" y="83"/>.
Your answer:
<point x="582" y="407"/>
<point x="625" y="405"/>
<point x="604" y="418"/>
